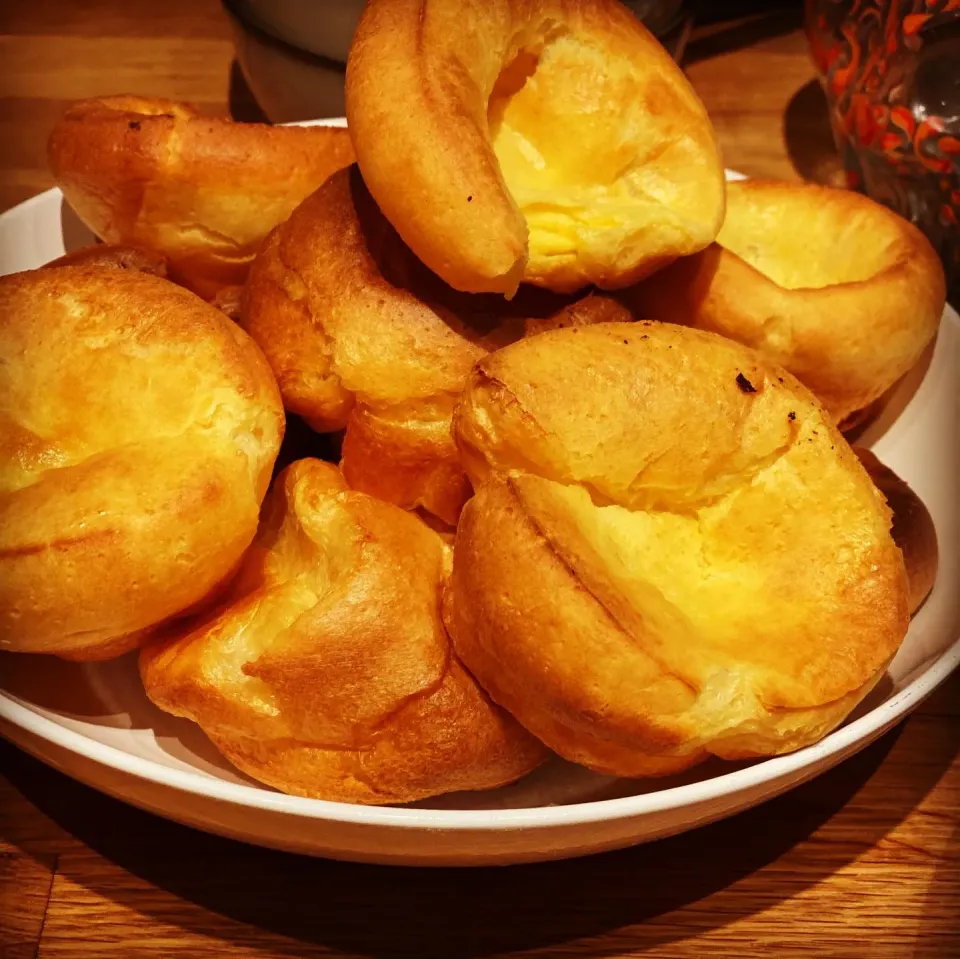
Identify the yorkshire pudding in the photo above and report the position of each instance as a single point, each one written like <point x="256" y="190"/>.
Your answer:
<point x="138" y="429"/>
<point x="705" y="567"/>
<point x="551" y="141"/>
<point x="362" y="336"/>
<point x="831" y="285"/>
<point x="118" y="257"/>
<point x="204" y="191"/>
<point x="913" y="530"/>
<point x="327" y="672"/>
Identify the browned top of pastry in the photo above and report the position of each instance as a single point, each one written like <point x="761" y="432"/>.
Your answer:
<point x="828" y="283"/>
<point x="138" y="429"/>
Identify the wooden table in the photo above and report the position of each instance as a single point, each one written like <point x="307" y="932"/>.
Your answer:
<point x="863" y="862"/>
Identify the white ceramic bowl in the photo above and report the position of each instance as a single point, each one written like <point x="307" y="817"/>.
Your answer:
<point x="93" y="722"/>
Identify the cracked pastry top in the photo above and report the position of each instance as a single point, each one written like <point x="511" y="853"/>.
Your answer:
<point x="551" y="142"/>
<point x="203" y="191"/>
<point x="327" y="671"/>
<point x="707" y="567"/>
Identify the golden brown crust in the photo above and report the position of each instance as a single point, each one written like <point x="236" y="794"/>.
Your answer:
<point x="706" y="566"/>
<point x="138" y="429"/>
<point x="496" y="162"/>
<point x="913" y="530"/>
<point x="119" y="257"/>
<point x="409" y="462"/>
<point x="327" y="672"/>
<point x="829" y="284"/>
<point x="230" y="301"/>
<point x="361" y="335"/>
<point x="204" y="191"/>
<point x="492" y="614"/>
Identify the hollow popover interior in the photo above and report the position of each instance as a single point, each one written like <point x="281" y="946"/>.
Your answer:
<point x="589" y="162"/>
<point x="771" y="229"/>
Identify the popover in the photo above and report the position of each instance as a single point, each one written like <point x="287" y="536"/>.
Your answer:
<point x="327" y="672"/>
<point x="828" y="283"/>
<point x="551" y="141"/>
<point x="672" y="551"/>
<point x="138" y="431"/>
<point x="204" y="191"/>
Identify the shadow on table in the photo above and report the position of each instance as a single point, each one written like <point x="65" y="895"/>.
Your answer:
<point x="393" y="912"/>
<point x="241" y="102"/>
<point x="808" y="137"/>
<point x="716" y="34"/>
<point x="941" y="919"/>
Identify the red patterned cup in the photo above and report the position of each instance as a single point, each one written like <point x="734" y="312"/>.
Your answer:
<point x="891" y="73"/>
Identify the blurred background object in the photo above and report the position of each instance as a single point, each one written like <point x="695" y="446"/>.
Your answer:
<point x="293" y="52"/>
<point x="669" y="20"/>
<point x="891" y="74"/>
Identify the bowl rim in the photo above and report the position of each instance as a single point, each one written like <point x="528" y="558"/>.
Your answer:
<point x="861" y="730"/>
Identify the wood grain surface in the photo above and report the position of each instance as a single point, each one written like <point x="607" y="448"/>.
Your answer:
<point x="862" y="862"/>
